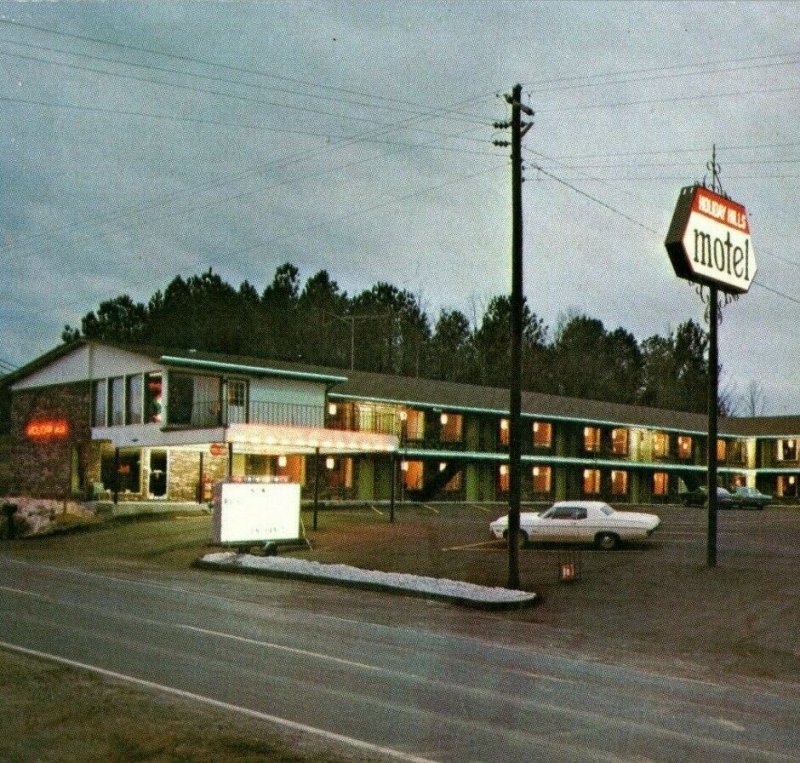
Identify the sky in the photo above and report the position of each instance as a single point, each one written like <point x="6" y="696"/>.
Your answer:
<point x="142" y="141"/>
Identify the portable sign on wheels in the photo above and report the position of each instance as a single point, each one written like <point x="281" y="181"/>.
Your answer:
<point x="709" y="243"/>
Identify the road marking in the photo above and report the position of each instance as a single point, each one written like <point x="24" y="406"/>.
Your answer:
<point x="431" y="508"/>
<point x="25" y="593"/>
<point x="377" y="511"/>
<point x="183" y="694"/>
<point x="481" y="544"/>
<point x="271" y="645"/>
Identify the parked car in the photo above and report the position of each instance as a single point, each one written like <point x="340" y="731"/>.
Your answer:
<point x="699" y="496"/>
<point x="750" y="498"/>
<point x="580" y="522"/>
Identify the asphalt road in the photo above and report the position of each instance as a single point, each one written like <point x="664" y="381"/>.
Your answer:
<point x="402" y="678"/>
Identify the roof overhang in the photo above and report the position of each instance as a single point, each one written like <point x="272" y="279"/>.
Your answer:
<point x="218" y="365"/>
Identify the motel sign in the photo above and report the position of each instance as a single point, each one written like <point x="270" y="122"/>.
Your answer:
<point x="709" y="241"/>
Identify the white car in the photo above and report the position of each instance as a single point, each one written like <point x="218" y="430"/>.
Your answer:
<point x="580" y="522"/>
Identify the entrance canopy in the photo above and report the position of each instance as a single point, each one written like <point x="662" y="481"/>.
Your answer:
<point x="268" y="439"/>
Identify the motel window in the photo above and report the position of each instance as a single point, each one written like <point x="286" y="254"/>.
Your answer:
<point x="181" y="399"/>
<point x="340" y="472"/>
<point x="660" y="444"/>
<point x="786" y="486"/>
<point x="619" y="482"/>
<point x="133" y="399"/>
<point x="452" y="427"/>
<point x="542" y="479"/>
<point x="619" y="442"/>
<point x="454" y="483"/>
<point x="116" y="401"/>
<point x="503" y="433"/>
<point x="787" y="450"/>
<point x="415" y="424"/>
<point x="542" y="434"/>
<point x="660" y="484"/>
<point x="412" y="474"/>
<point x="722" y="450"/>
<point x="591" y="481"/>
<point x="591" y="439"/>
<point x="684" y="447"/>
<point x="503" y="478"/>
<point x="99" y="400"/>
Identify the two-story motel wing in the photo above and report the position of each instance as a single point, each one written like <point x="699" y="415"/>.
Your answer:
<point x="95" y="419"/>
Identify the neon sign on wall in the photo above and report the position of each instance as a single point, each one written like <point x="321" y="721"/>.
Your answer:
<point x="47" y="429"/>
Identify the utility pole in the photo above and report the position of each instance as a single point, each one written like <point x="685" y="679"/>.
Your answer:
<point x="518" y="129"/>
<point x="713" y="396"/>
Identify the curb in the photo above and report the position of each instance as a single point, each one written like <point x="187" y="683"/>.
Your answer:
<point x="498" y="604"/>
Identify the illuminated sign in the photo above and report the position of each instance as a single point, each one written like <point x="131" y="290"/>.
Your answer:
<point x="47" y="429"/>
<point x="709" y="241"/>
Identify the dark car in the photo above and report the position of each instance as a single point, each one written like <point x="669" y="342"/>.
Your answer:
<point x="751" y="498"/>
<point x="699" y="496"/>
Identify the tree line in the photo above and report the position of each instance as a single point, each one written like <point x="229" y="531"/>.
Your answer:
<point x="386" y="330"/>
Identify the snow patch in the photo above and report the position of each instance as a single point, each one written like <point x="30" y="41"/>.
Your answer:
<point x="442" y="587"/>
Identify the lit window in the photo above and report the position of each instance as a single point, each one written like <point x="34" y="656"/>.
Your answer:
<point x="591" y="481"/>
<point x="503" y="435"/>
<point x="591" y="439"/>
<point x="415" y="425"/>
<point x="660" y="483"/>
<point x="722" y="450"/>
<point x="452" y="427"/>
<point x="619" y="442"/>
<point x="684" y="447"/>
<point x="503" y="483"/>
<point x="619" y="482"/>
<point x="660" y="444"/>
<point x="787" y="450"/>
<point x="542" y="434"/>
<point x="542" y="479"/>
<point x="412" y="475"/>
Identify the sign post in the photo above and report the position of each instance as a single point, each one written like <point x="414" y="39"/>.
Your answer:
<point x="709" y="243"/>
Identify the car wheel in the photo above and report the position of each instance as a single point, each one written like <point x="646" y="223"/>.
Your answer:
<point x="606" y="541"/>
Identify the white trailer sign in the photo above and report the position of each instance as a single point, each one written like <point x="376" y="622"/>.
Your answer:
<point x="247" y="512"/>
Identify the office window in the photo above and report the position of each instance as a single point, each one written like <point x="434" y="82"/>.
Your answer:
<point x="591" y="439"/>
<point x="134" y="387"/>
<point x="619" y="482"/>
<point x="660" y="484"/>
<point x="619" y="442"/>
<point x="591" y="481"/>
<point x="99" y="401"/>
<point x="542" y="434"/>
<point x="684" y="447"/>
<point x="116" y="401"/>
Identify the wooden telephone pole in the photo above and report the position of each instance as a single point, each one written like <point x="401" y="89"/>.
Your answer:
<point x="518" y="130"/>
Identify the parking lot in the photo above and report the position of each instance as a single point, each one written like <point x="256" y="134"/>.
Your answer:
<point x="653" y="599"/>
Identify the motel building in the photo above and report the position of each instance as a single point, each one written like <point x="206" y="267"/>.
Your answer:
<point x="102" y="421"/>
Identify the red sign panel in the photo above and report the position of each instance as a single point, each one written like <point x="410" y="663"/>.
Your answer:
<point x="47" y="429"/>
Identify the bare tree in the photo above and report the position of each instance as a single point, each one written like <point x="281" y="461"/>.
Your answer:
<point x="754" y="399"/>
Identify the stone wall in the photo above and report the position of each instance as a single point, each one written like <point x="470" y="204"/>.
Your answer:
<point x="54" y="457"/>
<point x="184" y="474"/>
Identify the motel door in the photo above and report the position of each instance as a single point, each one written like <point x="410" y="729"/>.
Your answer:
<point x="157" y="487"/>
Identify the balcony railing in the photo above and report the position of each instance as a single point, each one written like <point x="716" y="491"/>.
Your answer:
<point x="213" y="413"/>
